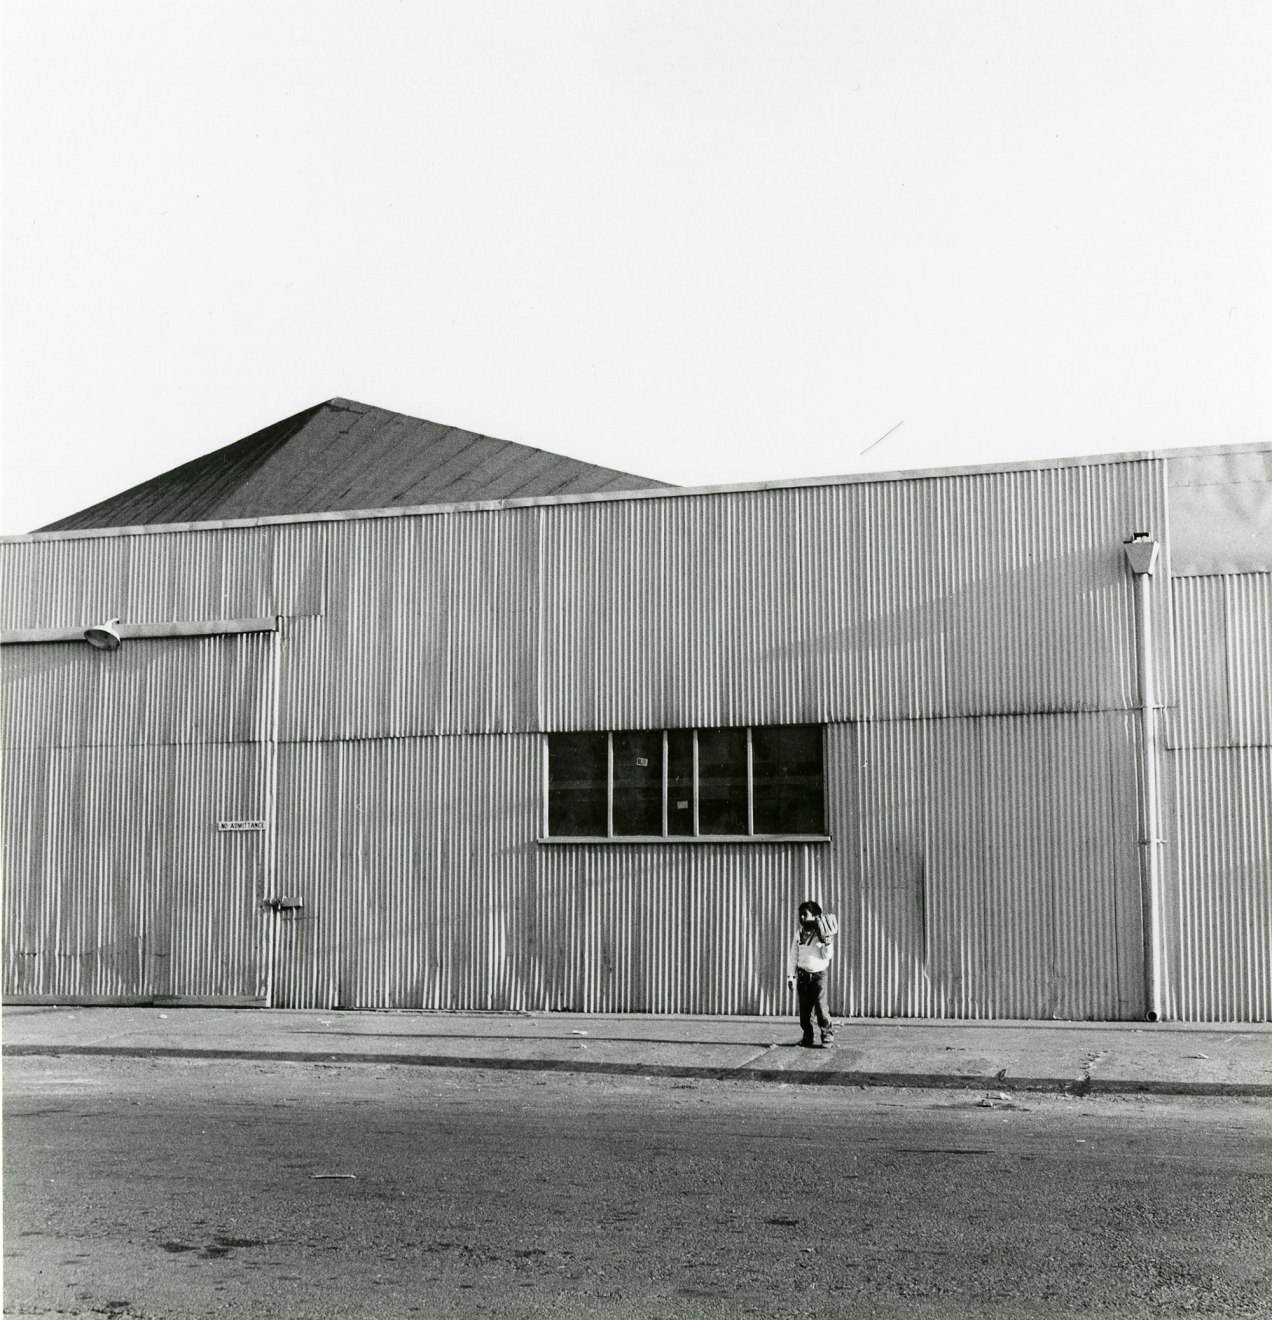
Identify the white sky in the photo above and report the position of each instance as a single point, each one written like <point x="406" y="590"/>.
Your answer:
<point x="706" y="242"/>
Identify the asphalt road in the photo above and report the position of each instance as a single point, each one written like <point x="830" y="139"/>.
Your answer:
<point x="182" y="1190"/>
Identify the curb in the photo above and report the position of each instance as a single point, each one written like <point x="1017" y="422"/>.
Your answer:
<point x="919" y="1081"/>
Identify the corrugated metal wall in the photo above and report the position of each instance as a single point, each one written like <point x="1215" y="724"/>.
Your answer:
<point x="966" y="885"/>
<point x="1219" y="911"/>
<point x="970" y="641"/>
<point x="994" y="593"/>
<point x="415" y="857"/>
<point x="983" y="594"/>
<point x="1219" y="908"/>
<point x="999" y="872"/>
<point x="431" y="628"/>
<point x="148" y="693"/>
<point x="213" y="573"/>
<point x="118" y="768"/>
<point x="423" y="886"/>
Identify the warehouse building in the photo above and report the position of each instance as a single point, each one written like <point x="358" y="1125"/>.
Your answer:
<point x="362" y="712"/>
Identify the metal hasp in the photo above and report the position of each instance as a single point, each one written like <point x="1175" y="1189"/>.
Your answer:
<point x="285" y="903"/>
<point x="1141" y="555"/>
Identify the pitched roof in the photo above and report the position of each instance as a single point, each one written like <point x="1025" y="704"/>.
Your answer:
<point x="343" y="455"/>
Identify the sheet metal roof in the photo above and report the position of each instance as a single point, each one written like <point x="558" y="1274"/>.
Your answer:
<point x="342" y="455"/>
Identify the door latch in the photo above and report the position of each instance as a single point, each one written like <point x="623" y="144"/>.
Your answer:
<point x="285" y="903"/>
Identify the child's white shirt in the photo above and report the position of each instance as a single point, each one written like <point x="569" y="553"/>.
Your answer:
<point x="811" y="957"/>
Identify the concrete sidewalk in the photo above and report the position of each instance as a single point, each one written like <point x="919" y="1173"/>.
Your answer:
<point x="1075" y="1057"/>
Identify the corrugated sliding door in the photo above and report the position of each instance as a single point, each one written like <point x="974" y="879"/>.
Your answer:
<point x="136" y="803"/>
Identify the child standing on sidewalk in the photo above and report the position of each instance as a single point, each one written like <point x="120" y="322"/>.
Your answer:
<point x="807" y="962"/>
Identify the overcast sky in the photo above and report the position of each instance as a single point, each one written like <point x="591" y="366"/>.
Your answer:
<point x="704" y="242"/>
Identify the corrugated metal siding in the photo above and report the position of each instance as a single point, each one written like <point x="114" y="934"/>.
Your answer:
<point x="1250" y="658"/>
<point x="1223" y="652"/>
<point x="1219" y="776"/>
<point x="416" y="862"/>
<point x="221" y="573"/>
<point x="985" y="594"/>
<point x="970" y="879"/>
<point x="72" y="583"/>
<point x="999" y="871"/>
<point x="424" y="887"/>
<point x="1201" y="715"/>
<point x="431" y="628"/>
<point x="118" y="884"/>
<point x="684" y="929"/>
<point x="983" y="866"/>
<point x="1219" y="909"/>
<point x="150" y="692"/>
<point x="1004" y="592"/>
<point x="672" y="611"/>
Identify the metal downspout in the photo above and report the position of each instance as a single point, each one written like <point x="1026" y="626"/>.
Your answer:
<point x="1141" y="555"/>
<point x="270" y="876"/>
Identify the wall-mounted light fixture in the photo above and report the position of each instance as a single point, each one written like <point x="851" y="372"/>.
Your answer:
<point x="1141" y="554"/>
<point x="104" y="636"/>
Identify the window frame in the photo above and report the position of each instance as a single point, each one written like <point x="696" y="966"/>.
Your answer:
<point x="697" y="838"/>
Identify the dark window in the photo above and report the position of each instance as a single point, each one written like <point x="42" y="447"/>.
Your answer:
<point x="687" y="783"/>
<point x="722" y="781"/>
<point x="786" y="767"/>
<point x="638" y="780"/>
<point x="578" y="784"/>
<point x="680" y="813"/>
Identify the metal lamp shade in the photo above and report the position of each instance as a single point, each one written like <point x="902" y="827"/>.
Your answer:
<point x="104" y="636"/>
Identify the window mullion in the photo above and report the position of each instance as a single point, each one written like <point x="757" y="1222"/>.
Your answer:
<point x="750" y="785"/>
<point x="609" y="785"/>
<point x="695" y="783"/>
<point x="665" y="756"/>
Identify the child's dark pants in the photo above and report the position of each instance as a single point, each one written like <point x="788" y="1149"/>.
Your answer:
<point x="810" y="988"/>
